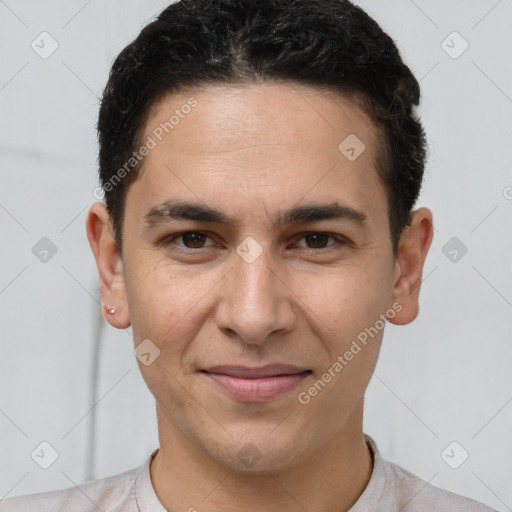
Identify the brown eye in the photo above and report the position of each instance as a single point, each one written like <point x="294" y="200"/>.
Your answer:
<point x="191" y="240"/>
<point x="320" y="241"/>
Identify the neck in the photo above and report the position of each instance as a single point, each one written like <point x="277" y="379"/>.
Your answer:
<point x="331" y="479"/>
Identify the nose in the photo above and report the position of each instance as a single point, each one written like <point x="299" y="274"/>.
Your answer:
<point x="256" y="303"/>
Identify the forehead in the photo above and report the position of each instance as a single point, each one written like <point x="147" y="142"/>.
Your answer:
<point x="275" y="142"/>
<point x="264" y="113"/>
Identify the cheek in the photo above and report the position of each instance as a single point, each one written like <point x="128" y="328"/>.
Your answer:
<point x="156" y="300"/>
<point x="346" y="300"/>
<point x="347" y="311"/>
<point x="167" y="305"/>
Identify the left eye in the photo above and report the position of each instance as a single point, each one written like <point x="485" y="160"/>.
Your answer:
<point x="320" y="239"/>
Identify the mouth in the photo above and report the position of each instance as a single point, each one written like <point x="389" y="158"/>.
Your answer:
<point x="255" y="384"/>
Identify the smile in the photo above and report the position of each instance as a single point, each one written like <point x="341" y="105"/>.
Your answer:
<point x="255" y="385"/>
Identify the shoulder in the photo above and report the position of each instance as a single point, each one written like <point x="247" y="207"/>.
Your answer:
<point x="414" y="494"/>
<point x="107" y="494"/>
<point x="392" y="488"/>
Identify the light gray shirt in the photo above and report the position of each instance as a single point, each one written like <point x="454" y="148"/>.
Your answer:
<point x="390" y="489"/>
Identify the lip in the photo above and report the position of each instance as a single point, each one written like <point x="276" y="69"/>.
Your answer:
<point x="256" y="384"/>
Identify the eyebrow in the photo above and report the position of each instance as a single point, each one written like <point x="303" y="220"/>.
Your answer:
<point x="169" y="211"/>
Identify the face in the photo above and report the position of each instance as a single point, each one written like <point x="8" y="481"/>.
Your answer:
<point x="286" y="260"/>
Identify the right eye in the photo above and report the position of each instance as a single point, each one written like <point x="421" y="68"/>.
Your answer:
<point x="193" y="240"/>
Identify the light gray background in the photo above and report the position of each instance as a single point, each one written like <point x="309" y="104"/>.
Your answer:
<point x="446" y="377"/>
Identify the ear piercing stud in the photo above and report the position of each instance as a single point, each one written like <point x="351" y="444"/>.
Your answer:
<point x="110" y="310"/>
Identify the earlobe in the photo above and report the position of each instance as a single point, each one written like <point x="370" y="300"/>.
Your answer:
<point x="109" y="265"/>
<point x="412" y="252"/>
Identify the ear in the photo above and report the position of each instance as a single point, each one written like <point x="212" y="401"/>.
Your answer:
<point x="100" y="234"/>
<point x="412" y="252"/>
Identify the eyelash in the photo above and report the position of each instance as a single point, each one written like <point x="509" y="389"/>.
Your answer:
<point x="168" y="241"/>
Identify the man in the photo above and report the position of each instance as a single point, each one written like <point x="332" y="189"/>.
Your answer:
<point x="260" y="162"/>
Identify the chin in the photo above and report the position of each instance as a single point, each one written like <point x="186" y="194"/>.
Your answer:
<point x="256" y="453"/>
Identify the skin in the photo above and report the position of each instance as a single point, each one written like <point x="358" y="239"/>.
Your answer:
<point x="253" y="152"/>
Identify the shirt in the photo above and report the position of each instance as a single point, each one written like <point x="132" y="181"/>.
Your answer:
<point x="391" y="488"/>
